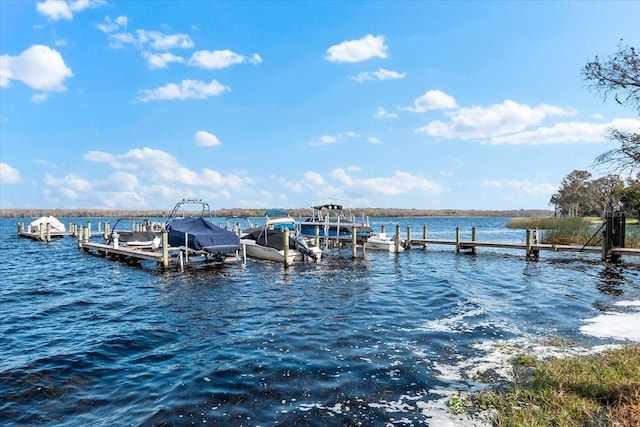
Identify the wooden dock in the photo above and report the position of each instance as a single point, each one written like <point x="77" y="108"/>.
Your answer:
<point x="44" y="234"/>
<point x="166" y="256"/>
<point x="531" y="246"/>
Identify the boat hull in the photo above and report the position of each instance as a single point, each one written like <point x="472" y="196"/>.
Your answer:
<point x="381" y="242"/>
<point x="256" y="251"/>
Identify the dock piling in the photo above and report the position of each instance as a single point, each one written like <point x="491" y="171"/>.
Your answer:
<point x="354" y="247"/>
<point x="473" y="239"/>
<point x="285" y="237"/>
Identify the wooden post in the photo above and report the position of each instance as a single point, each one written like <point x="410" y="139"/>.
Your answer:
<point x="186" y="248"/>
<point x="408" y="237"/>
<point x="20" y="227"/>
<point x="244" y="253"/>
<point x="165" y="250"/>
<point x="528" y="240"/>
<point x="41" y="232"/>
<point x="80" y="238"/>
<point x="354" y="248"/>
<point x="106" y="231"/>
<point x="473" y="239"/>
<point x="457" y="239"/>
<point x="382" y="228"/>
<point x="48" y="228"/>
<point x="317" y="236"/>
<point x="285" y="244"/>
<point x="424" y="237"/>
<point x="88" y="230"/>
<point x="605" y="248"/>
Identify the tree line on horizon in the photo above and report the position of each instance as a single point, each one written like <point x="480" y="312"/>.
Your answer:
<point x="256" y="213"/>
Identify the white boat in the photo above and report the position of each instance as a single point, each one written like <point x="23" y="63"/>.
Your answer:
<point x="55" y="226"/>
<point x="382" y="242"/>
<point x="334" y="222"/>
<point x="268" y="243"/>
<point x="140" y="233"/>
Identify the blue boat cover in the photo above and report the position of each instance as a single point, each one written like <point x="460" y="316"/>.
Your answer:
<point x="203" y="236"/>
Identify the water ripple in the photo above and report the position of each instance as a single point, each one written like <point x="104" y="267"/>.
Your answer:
<point x="379" y="340"/>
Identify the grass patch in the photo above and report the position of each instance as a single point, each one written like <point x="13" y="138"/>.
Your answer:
<point x="602" y="389"/>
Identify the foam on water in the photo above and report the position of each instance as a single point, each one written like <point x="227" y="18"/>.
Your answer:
<point x="618" y="324"/>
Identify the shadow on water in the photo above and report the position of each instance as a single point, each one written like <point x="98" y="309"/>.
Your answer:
<point x="611" y="280"/>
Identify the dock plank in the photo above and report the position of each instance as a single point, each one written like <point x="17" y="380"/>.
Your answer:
<point x="137" y="253"/>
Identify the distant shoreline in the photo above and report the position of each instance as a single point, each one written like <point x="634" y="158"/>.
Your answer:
<point x="242" y="212"/>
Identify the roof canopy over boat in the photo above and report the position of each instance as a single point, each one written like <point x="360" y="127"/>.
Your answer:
<point x="330" y="206"/>
<point x="279" y="218"/>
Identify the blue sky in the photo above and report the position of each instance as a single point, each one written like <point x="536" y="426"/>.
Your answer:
<point x="428" y="105"/>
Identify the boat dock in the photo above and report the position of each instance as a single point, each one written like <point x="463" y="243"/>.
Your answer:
<point x="166" y="257"/>
<point x="531" y="246"/>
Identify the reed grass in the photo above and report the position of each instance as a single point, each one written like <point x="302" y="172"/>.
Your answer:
<point x="602" y="389"/>
<point x="561" y="231"/>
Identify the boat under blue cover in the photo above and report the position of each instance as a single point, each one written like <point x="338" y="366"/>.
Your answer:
<point x="202" y="236"/>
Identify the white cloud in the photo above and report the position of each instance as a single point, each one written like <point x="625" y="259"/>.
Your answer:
<point x="313" y="178"/>
<point x="162" y="168"/>
<point x="71" y="186"/>
<point x="432" y="100"/>
<point x="64" y="9"/>
<point x="328" y="139"/>
<point x="358" y="50"/>
<point x="323" y="140"/>
<point x="381" y="113"/>
<point x="110" y="26"/>
<point x="566" y="132"/>
<point x="187" y="89"/>
<point x="39" y="97"/>
<point x="144" y="39"/>
<point x="499" y="119"/>
<point x="123" y="181"/>
<point x="398" y="184"/>
<point x="218" y="59"/>
<point x="161" y="41"/>
<point x="38" y="67"/>
<point x="206" y="139"/>
<point x="381" y="74"/>
<point x="98" y="156"/>
<point x="526" y="188"/>
<point x="374" y="140"/>
<point x="160" y="60"/>
<point x="9" y="175"/>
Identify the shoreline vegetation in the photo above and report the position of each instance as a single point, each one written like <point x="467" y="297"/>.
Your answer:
<point x="259" y="212"/>
<point x="596" y="390"/>
<point x="575" y="231"/>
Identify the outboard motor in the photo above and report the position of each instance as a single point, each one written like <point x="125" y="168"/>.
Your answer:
<point x="304" y="248"/>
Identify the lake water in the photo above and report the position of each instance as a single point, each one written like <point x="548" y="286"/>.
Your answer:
<point x="384" y="339"/>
